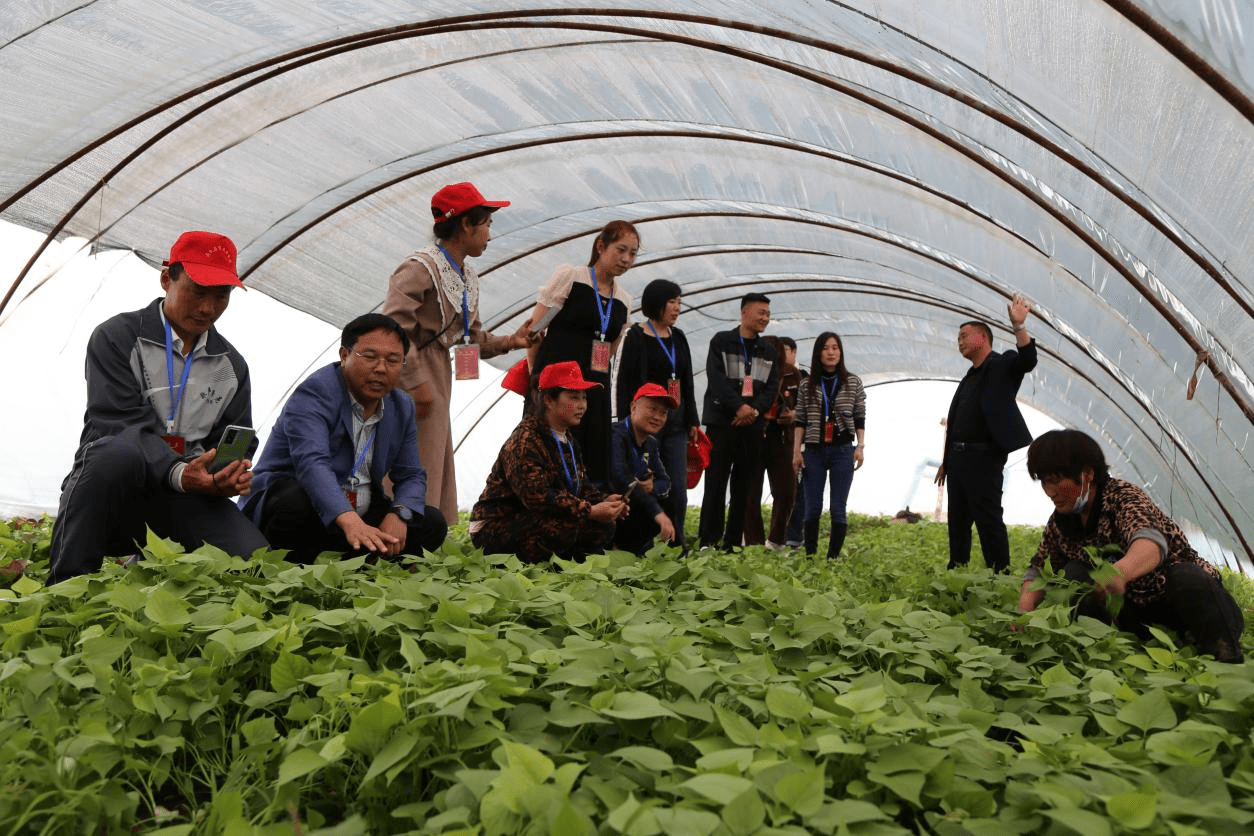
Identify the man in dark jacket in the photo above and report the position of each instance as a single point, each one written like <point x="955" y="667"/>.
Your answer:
<point x="638" y="471"/>
<point x="741" y="382"/>
<point x="319" y="482"/>
<point x="983" y="427"/>
<point x="162" y="388"/>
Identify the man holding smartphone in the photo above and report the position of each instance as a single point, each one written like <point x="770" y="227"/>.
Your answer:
<point x="162" y="387"/>
<point x="319" y="484"/>
<point x="636" y="470"/>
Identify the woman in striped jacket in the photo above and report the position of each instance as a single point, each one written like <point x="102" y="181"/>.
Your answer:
<point x="831" y="414"/>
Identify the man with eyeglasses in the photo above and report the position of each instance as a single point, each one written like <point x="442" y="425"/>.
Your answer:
<point x="318" y="485"/>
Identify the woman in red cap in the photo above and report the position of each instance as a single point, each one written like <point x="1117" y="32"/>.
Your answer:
<point x="538" y="501"/>
<point x="584" y="310"/>
<point x="434" y="295"/>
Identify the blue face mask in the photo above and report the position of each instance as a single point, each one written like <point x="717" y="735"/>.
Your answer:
<point x="1082" y="501"/>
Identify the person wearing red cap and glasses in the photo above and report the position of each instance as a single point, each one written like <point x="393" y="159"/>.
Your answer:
<point x="538" y="501"/>
<point x="637" y="469"/>
<point x="162" y="387"/>
<point x="434" y="295"/>
<point x="582" y="311"/>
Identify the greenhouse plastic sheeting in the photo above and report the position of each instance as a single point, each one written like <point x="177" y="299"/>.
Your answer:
<point x="890" y="168"/>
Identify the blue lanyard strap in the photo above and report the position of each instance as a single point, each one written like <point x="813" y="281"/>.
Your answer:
<point x="609" y="304"/>
<point x="748" y="356"/>
<point x="669" y="352"/>
<point x="829" y="398"/>
<point x="361" y="457"/>
<point x="637" y="458"/>
<point x="566" y="469"/>
<point x="176" y="396"/>
<point x="465" y="294"/>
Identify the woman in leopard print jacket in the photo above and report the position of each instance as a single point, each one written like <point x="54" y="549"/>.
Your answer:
<point x="1163" y="580"/>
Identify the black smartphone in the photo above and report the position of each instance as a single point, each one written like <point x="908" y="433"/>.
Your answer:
<point x="236" y="443"/>
<point x="630" y="488"/>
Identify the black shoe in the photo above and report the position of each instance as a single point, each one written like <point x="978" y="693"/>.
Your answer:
<point x="837" y="540"/>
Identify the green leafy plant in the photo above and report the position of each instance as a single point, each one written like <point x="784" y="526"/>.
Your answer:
<point x="460" y="692"/>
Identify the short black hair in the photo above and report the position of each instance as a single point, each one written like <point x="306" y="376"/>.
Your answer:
<point x="366" y="323"/>
<point x="788" y="341"/>
<point x="446" y="228"/>
<point x="983" y="326"/>
<point x="750" y="298"/>
<point x="1066" y="453"/>
<point x="655" y="296"/>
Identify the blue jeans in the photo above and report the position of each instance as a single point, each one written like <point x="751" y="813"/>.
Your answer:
<point x="833" y="462"/>
<point x="673" y="441"/>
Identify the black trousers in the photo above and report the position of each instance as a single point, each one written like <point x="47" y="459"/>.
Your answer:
<point x="118" y="489"/>
<point x="974" y="481"/>
<point x="290" y="521"/>
<point x="1194" y="605"/>
<point x="734" y="455"/>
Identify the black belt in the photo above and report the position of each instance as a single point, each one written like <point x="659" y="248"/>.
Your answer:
<point x="964" y="446"/>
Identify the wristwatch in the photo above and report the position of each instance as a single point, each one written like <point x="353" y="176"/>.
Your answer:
<point x="406" y="515"/>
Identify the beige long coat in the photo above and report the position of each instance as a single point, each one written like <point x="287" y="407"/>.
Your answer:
<point x="425" y="297"/>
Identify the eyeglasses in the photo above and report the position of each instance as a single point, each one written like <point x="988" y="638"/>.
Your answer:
<point x="392" y="361"/>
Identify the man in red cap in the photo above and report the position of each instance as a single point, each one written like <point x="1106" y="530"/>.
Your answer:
<point x="162" y="388"/>
<point x="538" y="501"/>
<point x="637" y="472"/>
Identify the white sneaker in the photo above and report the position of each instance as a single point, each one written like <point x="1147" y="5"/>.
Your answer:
<point x="776" y="547"/>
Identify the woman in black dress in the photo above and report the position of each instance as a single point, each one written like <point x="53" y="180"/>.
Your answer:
<point x="655" y="351"/>
<point x="582" y="311"/>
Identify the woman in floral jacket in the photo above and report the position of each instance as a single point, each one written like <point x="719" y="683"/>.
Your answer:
<point x="1163" y="580"/>
<point x="538" y="501"/>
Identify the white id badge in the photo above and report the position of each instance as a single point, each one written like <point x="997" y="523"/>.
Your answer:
<point x="466" y="361"/>
<point x="600" y="356"/>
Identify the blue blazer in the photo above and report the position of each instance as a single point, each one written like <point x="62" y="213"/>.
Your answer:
<point x="313" y="441"/>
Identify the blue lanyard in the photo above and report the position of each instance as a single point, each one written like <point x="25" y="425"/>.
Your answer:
<point x="670" y="352"/>
<point x="571" y="481"/>
<point x="748" y="356"/>
<point x="352" y="477"/>
<point x="636" y="456"/>
<point x="465" y="294"/>
<point x="609" y="304"/>
<point x="829" y="398"/>
<point x="176" y="396"/>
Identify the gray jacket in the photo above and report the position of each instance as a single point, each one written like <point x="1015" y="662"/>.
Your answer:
<point x="128" y="385"/>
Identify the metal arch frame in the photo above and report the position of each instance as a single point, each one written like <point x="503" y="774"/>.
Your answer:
<point x="1198" y="258"/>
<point x="519" y="19"/>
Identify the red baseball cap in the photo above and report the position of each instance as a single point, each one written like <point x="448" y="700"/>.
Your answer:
<point x="652" y="390"/>
<point x="698" y="458"/>
<point x="207" y="257"/>
<point x="565" y="375"/>
<point x="459" y="197"/>
<point x="516" y="379"/>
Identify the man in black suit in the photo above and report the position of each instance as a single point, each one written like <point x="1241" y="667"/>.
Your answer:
<point x="983" y="427"/>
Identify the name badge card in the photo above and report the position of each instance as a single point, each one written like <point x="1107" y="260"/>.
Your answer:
<point x="746" y="387"/>
<point x="829" y="431"/>
<point x="466" y="361"/>
<point x="672" y="389"/>
<point x="352" y="497"/>
<point x="177" y="443"/>
<point x="600" y="356"/>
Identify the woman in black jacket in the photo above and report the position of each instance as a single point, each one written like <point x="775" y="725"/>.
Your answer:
<point x="655" y="351"/>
